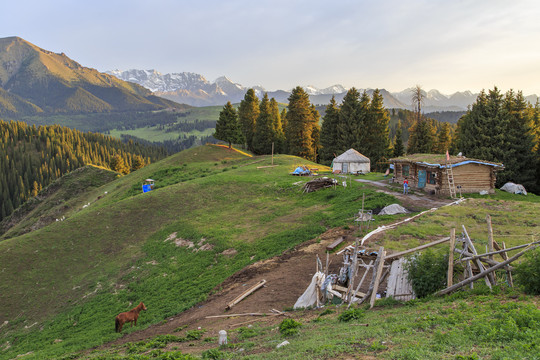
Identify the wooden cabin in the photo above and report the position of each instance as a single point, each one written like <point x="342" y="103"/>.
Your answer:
<point x="433" y="173"/>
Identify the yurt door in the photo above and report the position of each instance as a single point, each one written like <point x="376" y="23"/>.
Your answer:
<point x="345" y="168"/>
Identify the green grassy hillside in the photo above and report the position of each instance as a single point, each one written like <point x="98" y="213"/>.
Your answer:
<point x="63" y="198"/>
<point x="67" y="280"/>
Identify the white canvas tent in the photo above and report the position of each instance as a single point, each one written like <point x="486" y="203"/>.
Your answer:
<point x="351" y="162"/>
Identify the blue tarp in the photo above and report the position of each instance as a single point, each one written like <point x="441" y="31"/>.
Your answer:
<point x="146" y="188"/>
<point x="459" y="164"/>
<point x="300" y="171"/>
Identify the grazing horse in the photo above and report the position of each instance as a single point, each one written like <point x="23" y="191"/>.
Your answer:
<point x="129" y="316"/>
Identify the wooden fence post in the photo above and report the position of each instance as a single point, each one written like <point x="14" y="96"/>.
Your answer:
<point x="450" y="278"/>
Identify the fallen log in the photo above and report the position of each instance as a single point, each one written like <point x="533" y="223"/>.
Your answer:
<point x="245" y="294"/>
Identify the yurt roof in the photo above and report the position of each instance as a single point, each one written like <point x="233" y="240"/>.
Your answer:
<point x="352" y="155"/>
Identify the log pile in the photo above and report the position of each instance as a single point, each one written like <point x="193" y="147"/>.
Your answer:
<point x="318" y="184"/>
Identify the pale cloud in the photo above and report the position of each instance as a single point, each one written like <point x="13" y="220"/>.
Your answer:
<point x="448" y="45"/>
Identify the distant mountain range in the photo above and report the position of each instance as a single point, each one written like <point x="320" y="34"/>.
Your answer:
<point x="196" y="90"/>
<point x="34" y="81"/>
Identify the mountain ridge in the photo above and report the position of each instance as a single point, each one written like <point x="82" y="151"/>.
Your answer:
<point x="35" y="80"/>
<point x="202" y="92"/>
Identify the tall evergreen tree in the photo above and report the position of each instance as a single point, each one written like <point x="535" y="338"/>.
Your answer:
<point x="264" y="128"/>
<point x="399" y="148"/>
<point x="349" y="123"/>
<point x="376" y="133"/>
<point x="300" y="122"/>
<point x="248" y="112"/>
<point x="227" y="126"/>
<point x="498" y="129"/>
<point x="329" y="133"/>
<point x="278" y="135"/>
<point x="444" y="139"/>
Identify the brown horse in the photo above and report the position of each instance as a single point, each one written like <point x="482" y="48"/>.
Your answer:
<point x="129" y="316"/>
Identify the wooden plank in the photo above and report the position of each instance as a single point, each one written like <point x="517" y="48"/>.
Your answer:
<point x="245" y="294"/>
<point x="405" y="252"/>
<point x="490" y="235"/>
<point x="377" y="278"/>
<point x="484" y="273"/>
<point x="450" y="277"/>
<point x="360" y="284"/>
<point x="392" y="280"/>
<point x="335" y="244"/>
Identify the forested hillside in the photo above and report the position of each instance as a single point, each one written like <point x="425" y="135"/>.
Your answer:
<point x="32" y="157"/>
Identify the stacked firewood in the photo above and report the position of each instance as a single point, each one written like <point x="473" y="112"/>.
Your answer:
<point x="317" y="184"/>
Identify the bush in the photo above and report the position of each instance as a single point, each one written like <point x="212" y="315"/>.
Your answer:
<point x="289" y="327"/>
<point x="528" y="272"/>
<point x="351" y="314"/>
<point x="427" y="272"/>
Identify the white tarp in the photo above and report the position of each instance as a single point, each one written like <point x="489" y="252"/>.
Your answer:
<point x="309" y="297"/>
<point x="393" y="210"/>
<point x="514" y="188"/>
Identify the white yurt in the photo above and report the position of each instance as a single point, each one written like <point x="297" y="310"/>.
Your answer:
<point x="351" y="162"/>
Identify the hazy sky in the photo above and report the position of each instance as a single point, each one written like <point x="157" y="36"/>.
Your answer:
<point x="449" y="45"/>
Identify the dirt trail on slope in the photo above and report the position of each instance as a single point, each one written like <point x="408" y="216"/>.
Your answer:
<point x="287" y="278"/>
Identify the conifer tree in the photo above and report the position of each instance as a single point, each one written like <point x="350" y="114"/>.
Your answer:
<point x="444" y="139"/>
<point x="278" y="135"/>
<point x="300" y="123"/>
<point x="376" y="133"/>
<point x="227" y="126"/>
<point x="399" y="148"/>
<point x="248" y="112"/>
<point x="349" y="123"/>
<point x="264" y="128"/>
<point x="498" y="128"/>
<point x="329" y="133"/>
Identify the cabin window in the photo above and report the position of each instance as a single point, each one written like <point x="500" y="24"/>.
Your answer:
<point x="431" y="177"/>
<point x="405" y="170"/>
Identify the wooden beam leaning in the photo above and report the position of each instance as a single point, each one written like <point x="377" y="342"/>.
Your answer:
<point x="359" y="284"/>
<point x="377" y="277"/>
<point x="485" y="272"/>
<point x="473" y="250"/>
<point x="245" y="294"/>
<point x="450" y="277"/>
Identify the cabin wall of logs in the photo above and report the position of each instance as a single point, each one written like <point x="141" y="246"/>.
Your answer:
<point x="471" y="177"/>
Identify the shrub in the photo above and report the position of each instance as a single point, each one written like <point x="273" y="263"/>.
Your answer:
<point x="289" y="327"/>
<point x="528" y="272"/>
<point x="351" y="314"/>
<point x="213" y="354"/>
<point x="427" y="272"/>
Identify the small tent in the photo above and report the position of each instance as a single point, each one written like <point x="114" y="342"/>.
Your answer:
<point x="351" y="162"/>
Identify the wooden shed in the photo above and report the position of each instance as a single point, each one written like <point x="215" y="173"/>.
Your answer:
<point x="351" y="162"/>
<point x="435" y="173"/>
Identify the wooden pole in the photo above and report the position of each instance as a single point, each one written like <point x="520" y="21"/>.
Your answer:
<point x="484" y="273"/>
<point x="490" y="236"/>
<point x="401" y="253"/>
<point x="473" y="250"/>
<point x="450" y="278"/>
<point x="377" y="278"/>
<point x="272" y="153"/>
<point x="508" y="272"/>
<point x="502" y="251"/>
<point x="359" y="284"/>
<point x="245" y="294"/>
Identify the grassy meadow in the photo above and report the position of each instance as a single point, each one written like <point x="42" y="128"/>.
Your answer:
<point x="98" y="261"/>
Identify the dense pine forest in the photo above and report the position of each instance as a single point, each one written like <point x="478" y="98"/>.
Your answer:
<point x="32" y="157"/>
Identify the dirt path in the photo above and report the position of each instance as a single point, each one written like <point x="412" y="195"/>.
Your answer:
<point x="287" y="278"/>
<point x="415" y="202"/>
